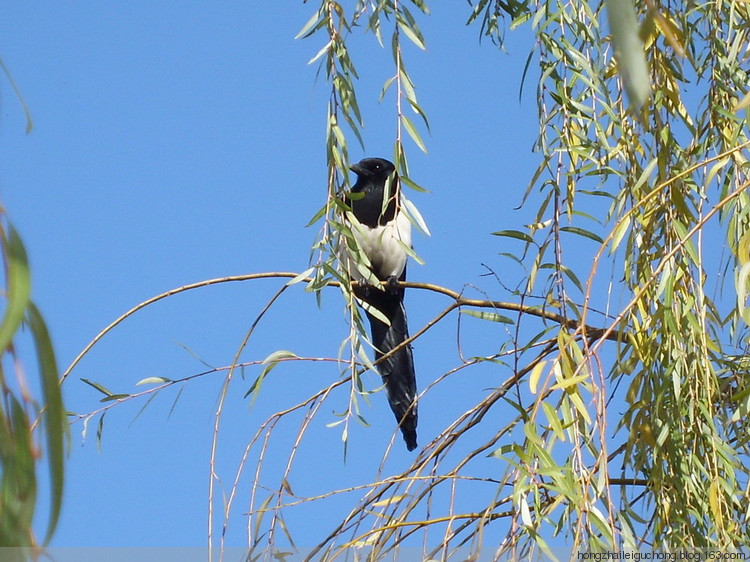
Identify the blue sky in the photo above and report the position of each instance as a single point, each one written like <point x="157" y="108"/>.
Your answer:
<point x="172" y="145"/>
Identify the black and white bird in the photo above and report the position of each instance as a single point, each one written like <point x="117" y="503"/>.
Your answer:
<point x="383" y="234"/>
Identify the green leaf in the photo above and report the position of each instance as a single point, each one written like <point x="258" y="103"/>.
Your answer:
<point x="302" y="276"/>
<point x="412" y="33"/>
<point x="327" y="47"/>
<point x="407" y="86"/>
<point x="631" y="60"/>
<point x="621" y="229"/>
<point x="114" y="397"/>
<point x="412" y="131"/>
<point x="18" y="484"/>
<point x="413" y="213"/>
<point x="412" y="184"/>
<point x="570" y="274"/>
<point x="270" y="362"/>
<point x="278" y="355"/>
<point x="312" y="25"/>
<point x="98" y="387"/>
<point x="554" y="420"/>
<point x="582" y="232"/>
<point x="56" y="426"/>
<point x="153" y="380"/>
<point x="419" y="111"/>
<point x="100" y="431"/>
<point x="687" y="244"/>
<point x="317" y="216"/>
<point x="411" y="253"/>
<point x="487" y="315"/>
<point x="19" y="287"/>
<point x="517" y="234"/>
<point x="386" y="86"/>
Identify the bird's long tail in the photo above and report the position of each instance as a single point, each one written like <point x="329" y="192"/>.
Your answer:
<point x="397" y="370"/>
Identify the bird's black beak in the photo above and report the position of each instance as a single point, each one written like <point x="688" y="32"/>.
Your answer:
<point x="356" y="168"/>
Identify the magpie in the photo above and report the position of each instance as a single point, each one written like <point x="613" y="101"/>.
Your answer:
<point x="383" y="234"/>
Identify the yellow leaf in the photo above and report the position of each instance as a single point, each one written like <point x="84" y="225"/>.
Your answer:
<point x="580" y="407"/>
<point x="536" y="373"/>
<point x="743" y="103"/>
<point x="671" y="31"/>
<point x="567" y="383"/>
<point x="388" y="501"/>
<point x="713" y="503"/>
<point x="646" y="433"/>
<point x="742" y="280"/>
<point x="526" y="513"/>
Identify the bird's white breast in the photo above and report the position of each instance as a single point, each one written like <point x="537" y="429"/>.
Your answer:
<point x="384" y="246"/>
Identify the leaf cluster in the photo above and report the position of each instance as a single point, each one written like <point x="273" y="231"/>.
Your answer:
<point x="26" y="420"/>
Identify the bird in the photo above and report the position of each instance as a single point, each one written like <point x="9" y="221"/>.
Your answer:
<point x="383" y="234"/>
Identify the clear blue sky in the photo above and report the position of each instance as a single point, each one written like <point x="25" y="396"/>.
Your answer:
<point x="172" y="145"/>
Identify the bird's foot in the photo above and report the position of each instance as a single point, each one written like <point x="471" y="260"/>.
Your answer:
<point x="363" y="289"/>
<point x="391" y="285"/>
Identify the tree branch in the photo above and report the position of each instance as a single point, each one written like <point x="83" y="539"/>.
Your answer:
<point x="458" y="298"/>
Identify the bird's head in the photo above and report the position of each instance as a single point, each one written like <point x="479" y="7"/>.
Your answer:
<point x="373" y="169"/>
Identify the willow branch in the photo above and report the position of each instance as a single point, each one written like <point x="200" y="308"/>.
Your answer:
<point x="458" y="298"/>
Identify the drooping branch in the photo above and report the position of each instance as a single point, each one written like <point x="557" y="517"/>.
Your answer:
<point x="458" y="298"/>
